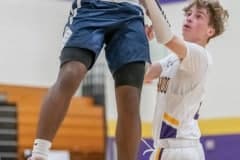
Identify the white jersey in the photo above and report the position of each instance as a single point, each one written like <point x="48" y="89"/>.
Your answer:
<point x="181" y="90"/>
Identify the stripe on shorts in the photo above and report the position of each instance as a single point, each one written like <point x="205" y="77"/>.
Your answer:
<point x="159" y="154"/>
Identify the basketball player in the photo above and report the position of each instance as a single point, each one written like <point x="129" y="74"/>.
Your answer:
<point x="92" y="23"/>
<point x="182" y="78"/>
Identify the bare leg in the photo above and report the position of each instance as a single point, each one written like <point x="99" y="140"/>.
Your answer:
<point x="128" y="132"/>
<point x="57" y="100"/>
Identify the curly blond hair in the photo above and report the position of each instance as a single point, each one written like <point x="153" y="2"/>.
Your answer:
<point x="218" y="15"/>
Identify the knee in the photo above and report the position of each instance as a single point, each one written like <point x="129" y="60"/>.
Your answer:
<point x="131" y="74"/>
<point x="71" y="74"/>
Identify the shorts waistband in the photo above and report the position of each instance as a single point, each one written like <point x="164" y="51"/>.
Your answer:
<point x="178" y="143"/>
<point x="135" y="2"/>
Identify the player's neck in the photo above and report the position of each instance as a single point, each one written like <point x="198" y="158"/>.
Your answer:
<point x="201" y="43"/>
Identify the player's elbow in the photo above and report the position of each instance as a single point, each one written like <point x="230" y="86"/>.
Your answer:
<point x="164" y="38"/>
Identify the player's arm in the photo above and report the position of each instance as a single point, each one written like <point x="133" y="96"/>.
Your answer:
<point x="162" y="29"/>
<point x="147" y="22"/>
<point x="153" y="72"/>
<point x="178" y="46"/>
<point x="142" y="2"/>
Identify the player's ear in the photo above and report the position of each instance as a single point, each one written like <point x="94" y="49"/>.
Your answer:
<point x="211" y="31"/>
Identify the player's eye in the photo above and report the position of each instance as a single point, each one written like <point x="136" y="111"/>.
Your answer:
<point x="198" y="16"/>
<point x="187" y="14"/>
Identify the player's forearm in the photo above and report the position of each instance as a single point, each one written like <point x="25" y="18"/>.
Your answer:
<point x="153" y="72"/>
<point x="177" y="45"/>
<point x="162" y="29"/>
<point x="159" y="22"/>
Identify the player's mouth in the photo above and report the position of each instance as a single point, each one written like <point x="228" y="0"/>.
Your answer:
<point x="186" y="27"/>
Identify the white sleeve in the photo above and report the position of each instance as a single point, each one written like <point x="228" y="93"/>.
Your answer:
<point x="196" y="60"/>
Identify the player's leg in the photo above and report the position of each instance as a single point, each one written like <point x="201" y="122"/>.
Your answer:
<point x="59" y="95"/>
<point x="82" y="45"/>
<point x="127" y="51"/>
<point x="128" y="84"/>
<point x="57" y="100"/>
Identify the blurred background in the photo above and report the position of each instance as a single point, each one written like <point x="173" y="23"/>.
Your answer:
<point x="30" y="38"/>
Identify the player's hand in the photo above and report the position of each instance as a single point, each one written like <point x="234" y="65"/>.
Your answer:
<point x="146" y="81"/>
<point x="149" y="32"/>
<point x="153" y="71"/>
<point x="147" y="77"/>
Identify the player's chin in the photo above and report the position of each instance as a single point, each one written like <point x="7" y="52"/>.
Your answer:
<point x="187" y="37"/>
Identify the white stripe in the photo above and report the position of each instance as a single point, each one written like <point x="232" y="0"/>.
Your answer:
<point x="74" y="12"/>
<point x="146" y="143"/>
<point x="67" y="31"/>
<point x="78" y="3"/>
<point x="66" y="36"/>
<point x="150" y="149"/>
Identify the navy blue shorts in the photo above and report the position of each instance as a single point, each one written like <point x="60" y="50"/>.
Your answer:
<point x="120" y="26"/>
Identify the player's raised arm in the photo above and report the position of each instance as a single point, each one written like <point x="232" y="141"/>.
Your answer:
<point x="162" y="29"/>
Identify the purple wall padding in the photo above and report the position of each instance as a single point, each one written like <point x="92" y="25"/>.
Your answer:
<point x="222" y="147"/>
